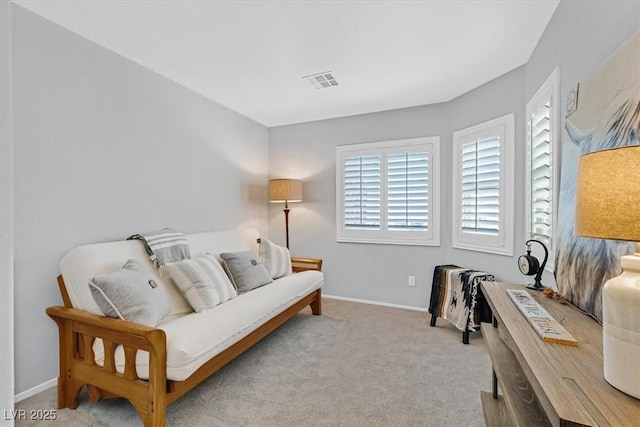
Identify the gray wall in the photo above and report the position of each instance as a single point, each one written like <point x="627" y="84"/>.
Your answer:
<point x="579" y="36"/>
<point x="6" y="217"/>
<point x="105" y="148"/>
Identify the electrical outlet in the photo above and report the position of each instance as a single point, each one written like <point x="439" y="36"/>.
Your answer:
<point x="412" y="280"/>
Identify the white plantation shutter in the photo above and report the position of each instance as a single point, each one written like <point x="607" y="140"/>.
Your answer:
<point x="362" y="181"/>
<point x="408" y="191"/>
<point x="543" y="129"/>
<point x="540" y="166"/>
<point x="385" y="192"/>
<point x="481" y="186"/>
<point x="483" y="175"/>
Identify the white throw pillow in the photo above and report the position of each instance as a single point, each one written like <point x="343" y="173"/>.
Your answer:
<point x="276" y="259"/>
<point x="202" y="282"/>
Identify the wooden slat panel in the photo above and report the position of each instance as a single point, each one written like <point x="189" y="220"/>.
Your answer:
<point x="109" y="356"/>
<point x="519" y="396"/>
<point x="495" y="411"/>
<point x="89" y="357"/>
<point x="130" y="363"/>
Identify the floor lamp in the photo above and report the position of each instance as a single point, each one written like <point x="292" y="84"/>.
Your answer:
<point x="285" y="190"/>
<point x="607" y="196"/>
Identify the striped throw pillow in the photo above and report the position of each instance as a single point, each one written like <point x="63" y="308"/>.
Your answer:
<point x="276" y="259"/>
<point x="202" y="282"/>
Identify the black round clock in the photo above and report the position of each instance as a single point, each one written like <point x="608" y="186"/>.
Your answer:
<point x="529" y="265"/>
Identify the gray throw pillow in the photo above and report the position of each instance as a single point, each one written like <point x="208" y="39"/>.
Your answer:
<point x="131" y="294"/>
<point x="245" y="269"/>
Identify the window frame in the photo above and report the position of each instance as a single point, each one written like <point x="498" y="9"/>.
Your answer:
<point x="501" y="244"/>
<point x="549" y="91"/>
<point x="383" y="235"/>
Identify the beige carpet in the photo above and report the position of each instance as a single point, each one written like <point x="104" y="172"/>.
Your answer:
<point x="357" y="365"/>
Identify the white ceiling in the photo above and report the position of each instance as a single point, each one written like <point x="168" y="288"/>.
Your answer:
<point x="250" y="55"/>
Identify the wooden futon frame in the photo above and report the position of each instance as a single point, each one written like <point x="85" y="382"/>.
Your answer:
<point x="78" y="330"/>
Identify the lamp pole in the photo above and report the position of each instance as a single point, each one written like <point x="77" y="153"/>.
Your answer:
<point x="286" y="220"/>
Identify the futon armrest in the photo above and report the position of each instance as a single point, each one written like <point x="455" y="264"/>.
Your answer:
<point x="115" y="330"/>
<point x="98" y="320"/>
<point x="303" y="264"/>
<point x="77" y="332"/>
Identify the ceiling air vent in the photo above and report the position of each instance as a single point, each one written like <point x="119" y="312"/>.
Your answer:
<point x="322" y="80"/>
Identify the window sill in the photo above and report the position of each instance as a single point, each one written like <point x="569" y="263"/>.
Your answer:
<point x="487" y="249"/>
<point x="405" y="242"/>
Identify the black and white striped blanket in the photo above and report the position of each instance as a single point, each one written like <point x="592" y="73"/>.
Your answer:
<point x="164" y="246"/>
<point x="454" y="295"/>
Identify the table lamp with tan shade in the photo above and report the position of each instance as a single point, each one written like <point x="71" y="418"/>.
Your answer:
<point x="608" y="207"/>
<point x="285" y="191"/>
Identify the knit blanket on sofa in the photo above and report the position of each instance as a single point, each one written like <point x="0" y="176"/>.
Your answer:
<point x="164" y="246"/>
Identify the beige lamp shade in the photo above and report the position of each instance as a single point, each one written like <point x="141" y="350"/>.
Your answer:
<point x="608" y="194"/>
<point x="285" y="190"/>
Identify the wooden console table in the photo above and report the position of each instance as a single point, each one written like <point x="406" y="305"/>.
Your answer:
<point x="544" y="384"/>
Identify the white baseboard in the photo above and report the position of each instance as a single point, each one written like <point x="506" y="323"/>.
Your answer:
<point x="35" y="390"/>
<point x="384" y="304"/>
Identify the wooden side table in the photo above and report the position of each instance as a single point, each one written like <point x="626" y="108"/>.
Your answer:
<point x="536" y="383"/>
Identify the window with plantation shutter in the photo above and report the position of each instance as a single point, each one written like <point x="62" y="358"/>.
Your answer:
<point x="408" y="191"/>
<point x="542" y="127"/>
<point x="540" y="179"/>
<point x="483" y="187"/>
<point x="362" y="192"/>
<point x="386" y="192"/>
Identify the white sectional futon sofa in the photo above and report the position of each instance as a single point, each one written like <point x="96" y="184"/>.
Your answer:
<point x="153" y="366"/>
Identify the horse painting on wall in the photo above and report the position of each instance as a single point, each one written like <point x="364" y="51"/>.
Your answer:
<point x="607" y="116"/>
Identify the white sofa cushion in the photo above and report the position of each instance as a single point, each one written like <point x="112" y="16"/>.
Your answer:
<point x="213" y="331"/>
